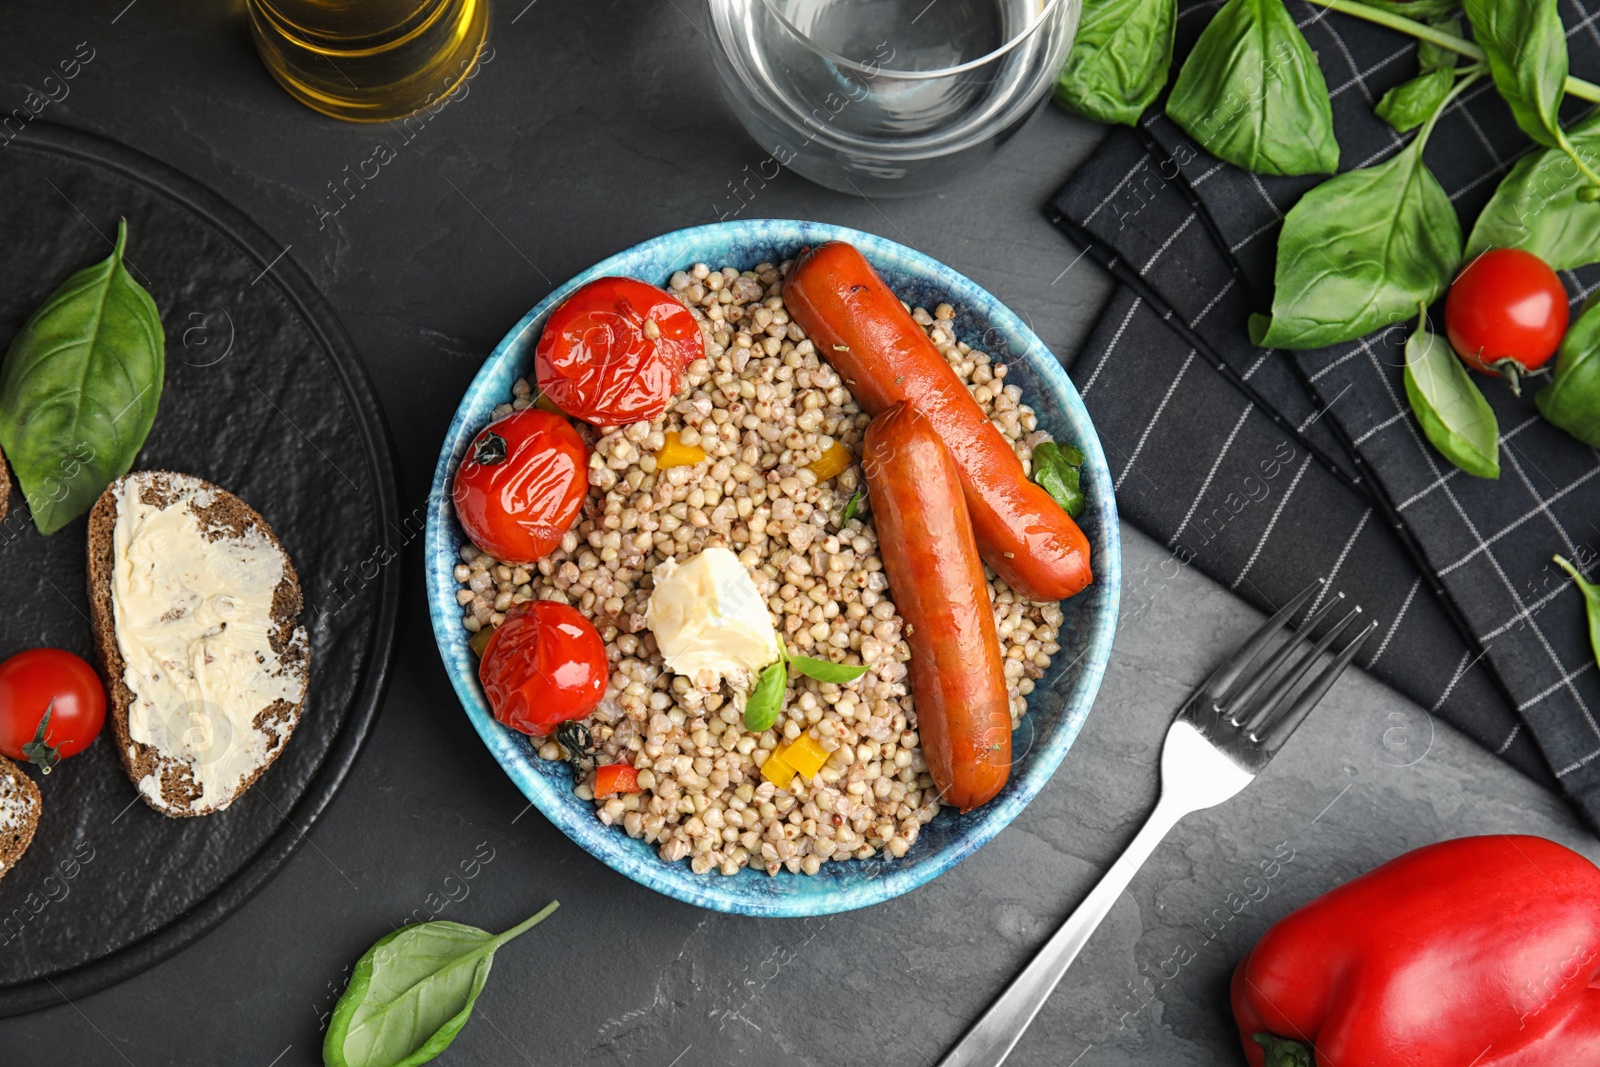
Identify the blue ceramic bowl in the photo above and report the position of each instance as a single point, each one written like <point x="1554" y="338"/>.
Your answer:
<point x="1057" y="707"/>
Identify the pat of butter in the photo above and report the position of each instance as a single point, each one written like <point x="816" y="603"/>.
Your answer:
<point x="193" y="623"/>
<point x="710" y="622"/>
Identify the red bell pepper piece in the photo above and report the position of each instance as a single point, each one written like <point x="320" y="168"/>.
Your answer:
<point x="615" y="778"/>
<point x="1483" y="951"/>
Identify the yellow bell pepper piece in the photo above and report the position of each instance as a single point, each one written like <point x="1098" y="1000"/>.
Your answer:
<point x="805" y="755"/>
<point x="674" y="453"/>
<point x="831" y="463"/>
<point x="777" y="771"/>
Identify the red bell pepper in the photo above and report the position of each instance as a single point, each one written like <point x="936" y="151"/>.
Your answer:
<point x="615" y="778"/>
<point x="1479" y="952"/>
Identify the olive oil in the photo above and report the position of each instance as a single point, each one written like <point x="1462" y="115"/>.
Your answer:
<point x="369" y="60"/>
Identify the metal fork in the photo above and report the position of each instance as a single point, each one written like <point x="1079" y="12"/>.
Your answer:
<point x="1226" y="732"/>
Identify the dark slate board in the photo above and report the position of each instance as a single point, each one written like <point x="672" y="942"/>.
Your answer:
<point x="266" y="396"/>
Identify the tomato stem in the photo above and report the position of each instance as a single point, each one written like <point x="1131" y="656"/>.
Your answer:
<point x="489" y="449"/>
<point x="39" y="751"/>
<point x="1511" y="371"/>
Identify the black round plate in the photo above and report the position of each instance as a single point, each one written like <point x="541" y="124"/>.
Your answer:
<point x="265" y="396"/>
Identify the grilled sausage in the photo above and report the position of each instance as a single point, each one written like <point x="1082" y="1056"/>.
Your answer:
<point x="931" y="558"/>
<point x="859" y="326"/>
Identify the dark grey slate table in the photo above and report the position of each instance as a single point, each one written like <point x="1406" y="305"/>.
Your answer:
<point x="596" y="125"/>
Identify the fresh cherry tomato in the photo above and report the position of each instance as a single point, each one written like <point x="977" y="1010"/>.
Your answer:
<point x="544" y="665"/>
<point x="49" y="680"/>
<point x="614" y="351"/>
<point x="615" y="778"/>
<point x="521" y="485"/>
<point x="1506" y="313"/>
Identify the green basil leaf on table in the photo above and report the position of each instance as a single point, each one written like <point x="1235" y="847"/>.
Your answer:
<point x="766" y="699"/>
<point x="1056" y="473"/>
<point x="412" y="992"/>
<point x="1591" y="596"/>
<point x="1536" y="207"/>
<point x="1119" y="59"/>
<point x="824" y="671"/>
<point x="1410" y="104"/>
<point x="1452" y="410"/>
<point x="1360" y="252"/>
<point x="1251" y="93"/>
<point x="79" y="389"/>
<point x="1572" y="399"/>
<point x="1526" y="46"/>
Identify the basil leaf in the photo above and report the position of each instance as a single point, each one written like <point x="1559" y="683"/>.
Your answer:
<point x="1591" y="595"/>
<point x="766" y="699"/>
<point x="1452" y="410"/>
<point x="79" y="389"/>
<point x="1252" y="94"/>
<point x="1056" y="474"/>
<point x="1526" y="46"/>
<point x="1572" y="399"/>
<point x="824" y="671"/>
<point x="412" y="992"/>
<point x="1536" y="207"/>
<point x="1410" y="104"/>
<point x="1360" y="252"/>
<point x="1119" y="59"/>
<point x="851" y="507"/>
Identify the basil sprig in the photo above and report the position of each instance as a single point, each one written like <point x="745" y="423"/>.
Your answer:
<point x="1572" y="399"/>
<point x="79" y="389"/>
<point x="1251" y="92"/>
<point x="1055" y="469"/>
<point x="1360" y="251"/>
<point x="412" y="992"/>
<point x="766" y="699"/>
<point x="1453" y="413"/>
<point x="1525" y="45"/>
<point x="1537" y="207"/>
<point x="1591" y="596"/>
<point x="1119" y="59"/>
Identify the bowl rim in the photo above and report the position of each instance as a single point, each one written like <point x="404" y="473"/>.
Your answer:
<point x="676" y="880"/>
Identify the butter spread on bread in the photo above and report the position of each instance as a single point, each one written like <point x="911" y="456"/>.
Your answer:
<point x="203" y="614"/>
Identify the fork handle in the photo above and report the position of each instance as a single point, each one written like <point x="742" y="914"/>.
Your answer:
<point x="993" y="1036"/>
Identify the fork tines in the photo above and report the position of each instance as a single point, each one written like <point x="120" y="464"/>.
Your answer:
<point x="1269" y="702"/>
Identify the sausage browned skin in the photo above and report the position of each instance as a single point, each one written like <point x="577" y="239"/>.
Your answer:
<point x="859" y="326"/>
<point x="936" y="577"/>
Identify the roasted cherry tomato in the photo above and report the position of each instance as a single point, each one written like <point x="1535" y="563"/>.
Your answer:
<point x="48" y="680"/>
<point x="521" y="485"/>
<point x="544" y="665"/>
<point x="614" y="351"/>
<point x="1506" y="313"/>
<point x="615" y="778"/>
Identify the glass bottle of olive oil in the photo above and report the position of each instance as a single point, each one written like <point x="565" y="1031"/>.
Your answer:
<point x="369" y="60"/>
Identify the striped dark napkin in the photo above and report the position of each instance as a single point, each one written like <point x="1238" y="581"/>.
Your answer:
<point x="1263" y="468"/>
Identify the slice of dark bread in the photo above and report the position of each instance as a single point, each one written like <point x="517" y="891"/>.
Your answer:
<point x="19" y="814"/>
<point x="167" y="780"/>
<point x="5" y="486"/>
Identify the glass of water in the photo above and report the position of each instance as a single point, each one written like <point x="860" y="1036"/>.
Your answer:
<point x="887" y="97"/>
